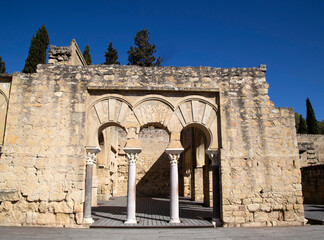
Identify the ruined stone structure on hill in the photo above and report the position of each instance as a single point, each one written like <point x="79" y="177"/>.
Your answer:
<point x="76" y="134"/>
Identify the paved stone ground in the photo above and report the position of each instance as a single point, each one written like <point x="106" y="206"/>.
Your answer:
<point x="273" y="233"/>
<point x="151" y="212"/>
<point x="314" y="213"/>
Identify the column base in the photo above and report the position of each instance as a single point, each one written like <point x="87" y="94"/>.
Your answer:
<point x="131" y="221"/>
<point x="88" y="220"/>
<point x="174" y="221"/>
<point x="217" y="222"/>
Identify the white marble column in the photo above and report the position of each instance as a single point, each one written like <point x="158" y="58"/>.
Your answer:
<point x="174" y="155"/>
<point x="91" y="157"/>
<point x="132" y="154"/>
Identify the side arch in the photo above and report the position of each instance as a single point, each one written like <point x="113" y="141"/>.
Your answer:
<point x="201" y="113"/>
<point x="108" y="111"/>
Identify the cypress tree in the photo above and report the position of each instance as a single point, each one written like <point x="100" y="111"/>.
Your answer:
<point x="37" y="50"/>
<point x="2" y="66"/>
<point x="297" y="120"/>
<point x="143" y="52"/>
<point x="312" y="127"/>
<point x="111" y="55"/>
<point x="86" y="55"/>
<point x="302" y="128"/>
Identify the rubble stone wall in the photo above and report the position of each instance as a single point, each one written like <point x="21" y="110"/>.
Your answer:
<point x="43" y="163"/>
<point x="43" y="160"/>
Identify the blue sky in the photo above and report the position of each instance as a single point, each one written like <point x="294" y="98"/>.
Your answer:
<point x="287" y="36"/>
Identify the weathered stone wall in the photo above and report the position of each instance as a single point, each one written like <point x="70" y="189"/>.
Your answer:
<point x="311" y="148"/>
<point x="44" y="156"/>
<point x="313" y="184"/>
<point x="260" y="177"/>
<point x="43" y="160"/>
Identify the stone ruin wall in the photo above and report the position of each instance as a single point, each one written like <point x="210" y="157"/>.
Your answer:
<point x="43" y="155"/>
<point x="44" y="158"/>
<point x="311" y="148"/>
<point x="259" y="159"/>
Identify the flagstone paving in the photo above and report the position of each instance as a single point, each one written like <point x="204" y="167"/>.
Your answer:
<point x="151" y="212"/>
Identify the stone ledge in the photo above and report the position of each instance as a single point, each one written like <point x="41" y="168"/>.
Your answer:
<point x="150" y="88"/>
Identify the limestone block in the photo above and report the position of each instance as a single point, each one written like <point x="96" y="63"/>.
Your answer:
<point x="289" y="216"/>
<point x="274" y="215"/>
<point x="9" y="195"/>
<point x="45" y="219"/>
<point x="62" y="218"/>
<point x="31" y="217"/>
<point x="33" y="206"/>
<point x="78" y="207"/>
<point x="239" y="220"/>
<point x="265" y="208"/>
<point x="3" y="167"/>
<point x="77" y="195"/>
<point x="5" y="206"/>
<point x="64" y="207"/>
<point x="253" y="207"/>
<point x="260" y="217"/>
<point x="42" y="207"/>
<point x="57" y="196"/>
<point x="254" y="224"/>
<point x="79" y="218"/>
<point x="277" y="207"/>
<point x="21" y="206"/>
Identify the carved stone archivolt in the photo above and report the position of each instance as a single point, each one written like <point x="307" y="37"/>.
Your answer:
<point x="115" y="110"/>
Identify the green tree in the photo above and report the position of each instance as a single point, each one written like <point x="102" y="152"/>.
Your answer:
<point x="297" y="120"/>
<point x="302" y="128"/>
<point x="2" y="66"/>
<point x="86" y="55"/>
<point x="143" y="52"/>
<point x="312" y="127"/>
<point x="37" y="50"/>
<point x="111" y="55"/>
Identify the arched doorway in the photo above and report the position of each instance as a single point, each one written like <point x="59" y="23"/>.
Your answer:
<point x="153" y="168"/>
<point x="194" y="167"/>
<point x="153" y="145"/>
<point x="111" y="170"/>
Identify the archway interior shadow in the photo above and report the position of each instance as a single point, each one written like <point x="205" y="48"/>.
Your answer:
<point x="156" y="181"/>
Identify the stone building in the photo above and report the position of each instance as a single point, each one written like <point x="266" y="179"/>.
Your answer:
<point x="311" y="152"/>
<point x="75" y="134"/>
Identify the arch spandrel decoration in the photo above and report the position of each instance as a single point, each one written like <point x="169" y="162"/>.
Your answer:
<point x="153" y="110"/>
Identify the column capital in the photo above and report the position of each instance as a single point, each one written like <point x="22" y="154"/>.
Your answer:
<point x="213" y="156"/>
<point x="91" y="154"/>
<point x="174" y="154"/>
<point x="132" y="154"/>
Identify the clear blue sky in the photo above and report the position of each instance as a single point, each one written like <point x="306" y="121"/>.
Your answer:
<point x="287" y="36"/>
